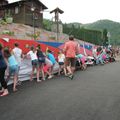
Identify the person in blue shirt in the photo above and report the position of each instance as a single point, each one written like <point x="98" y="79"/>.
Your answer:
<point x="13" y="67"/>
<point x="3" y="67"/>
<point x="51" y="58"/>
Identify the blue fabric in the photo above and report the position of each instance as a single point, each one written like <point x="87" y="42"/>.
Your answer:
<point x="53" y="44"/>
<point x="89" y="47"/>
<point x="12" y="61"/>
<point x="51" y="58"/>
<point x="2" y="61"/>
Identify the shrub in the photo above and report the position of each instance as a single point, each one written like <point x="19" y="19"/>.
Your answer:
<point x="7" y="32"/>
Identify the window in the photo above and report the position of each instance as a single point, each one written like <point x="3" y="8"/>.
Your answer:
<point x="16" y="10"/>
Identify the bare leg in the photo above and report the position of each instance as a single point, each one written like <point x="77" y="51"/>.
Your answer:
<point x="69" y="70"/>
<point x="59" y="70"/>
<point x="31" y="76"/>
<point x="38" y="74"/>
<point x="65" y="72"/>
<point x="43" y="75"/>
<point x="15" y="82"/>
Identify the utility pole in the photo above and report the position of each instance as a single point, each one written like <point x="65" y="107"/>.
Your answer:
<point x="33" y="20"/>
<point x="57" y="11"/>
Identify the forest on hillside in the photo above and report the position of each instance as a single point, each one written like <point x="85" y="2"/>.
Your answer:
<point x="96" y="32"/>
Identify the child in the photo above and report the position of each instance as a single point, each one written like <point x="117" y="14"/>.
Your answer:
<point x="34" y="62"/>
<point x="41" y="60"/>
<point x="82" y="59"/>
<point x="51" y="58"/>
<point x="13" y="67"/>
<point x="61" y="61"/>
<point x="47" y="68"/>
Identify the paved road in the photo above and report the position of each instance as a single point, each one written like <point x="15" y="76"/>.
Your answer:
<point x="94" y="94"/>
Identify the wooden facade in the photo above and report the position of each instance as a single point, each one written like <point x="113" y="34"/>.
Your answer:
<point x="22" y="13"/>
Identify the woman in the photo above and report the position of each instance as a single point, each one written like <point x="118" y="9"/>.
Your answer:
<point x="3" y="67"/>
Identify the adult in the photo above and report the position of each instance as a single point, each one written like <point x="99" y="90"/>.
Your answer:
<point x="71" y="48"/>
<point x="3" y="67"/>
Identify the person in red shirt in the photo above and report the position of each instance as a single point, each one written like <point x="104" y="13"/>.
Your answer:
<point x="71" y="48"/>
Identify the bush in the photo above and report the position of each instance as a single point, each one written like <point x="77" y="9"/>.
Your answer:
<point x="35" y="36"/>
<point x="2" y="22"/>
<point x="7" y="32"/>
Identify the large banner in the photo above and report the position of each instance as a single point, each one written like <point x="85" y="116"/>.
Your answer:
<point x="25" y="71"/>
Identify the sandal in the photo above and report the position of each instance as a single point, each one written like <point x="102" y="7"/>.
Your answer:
<point x="1" y="92"/>
<point x="4" y="94"/>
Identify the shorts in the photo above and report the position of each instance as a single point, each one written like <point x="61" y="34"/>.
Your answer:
<point x="41" y="60"/>
<point x="13" y="70"/>
<point x="70" y="62"/>
<point x="61" y="63"/>
<point x="34" y="63"/>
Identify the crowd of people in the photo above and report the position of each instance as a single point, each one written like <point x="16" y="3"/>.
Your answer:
<point x="43" y="63"/>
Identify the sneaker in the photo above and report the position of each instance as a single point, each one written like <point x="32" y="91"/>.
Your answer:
<point x="39" y="80"/>
<point x="44" y="79"/>
<point x="50" y="77"/>
<point x="71" y="76"/>
<point x="68" y="74"/>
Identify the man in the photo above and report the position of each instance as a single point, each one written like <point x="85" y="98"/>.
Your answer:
<point x="17" y="52"/>
<point x="71" y="48"/>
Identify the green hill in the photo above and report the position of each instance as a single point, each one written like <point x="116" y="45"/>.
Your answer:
<point x="111" y="26"/>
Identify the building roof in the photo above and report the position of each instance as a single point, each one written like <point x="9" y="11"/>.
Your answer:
<point x="23" y="1"/>
<point x="57" y="9"/>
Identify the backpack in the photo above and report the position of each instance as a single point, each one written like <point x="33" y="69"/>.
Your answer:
<point x="41" y="57"/>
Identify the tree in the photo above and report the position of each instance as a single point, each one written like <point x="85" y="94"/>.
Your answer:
<point x="105" y="37"/>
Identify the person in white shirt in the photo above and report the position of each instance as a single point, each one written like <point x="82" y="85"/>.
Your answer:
<point x="35" y="65"/>
<point x="17" y="52"/>
<point x="61" y="61"/>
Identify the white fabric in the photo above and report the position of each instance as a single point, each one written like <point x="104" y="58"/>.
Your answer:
<point x="6" y="39"/>
<point x="94" y="52"/>
<point x="17" y="52"/>
<point x="48" y="62"/>
<point x="25" y="71"/>
<point x="33" y="55"/>
<point x="61" y="58"/>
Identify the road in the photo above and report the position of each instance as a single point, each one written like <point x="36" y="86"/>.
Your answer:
<point x="93" y="94"/>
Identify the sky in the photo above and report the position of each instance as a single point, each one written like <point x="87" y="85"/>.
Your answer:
<point x="83" y="11"/>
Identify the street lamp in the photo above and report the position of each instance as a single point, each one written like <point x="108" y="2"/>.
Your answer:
<point x="33" y="20"/>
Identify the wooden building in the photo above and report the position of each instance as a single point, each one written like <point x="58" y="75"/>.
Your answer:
<point x="27" y="12"/>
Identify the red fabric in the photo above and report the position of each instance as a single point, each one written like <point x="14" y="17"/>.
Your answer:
<point x="23" y="43"/>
